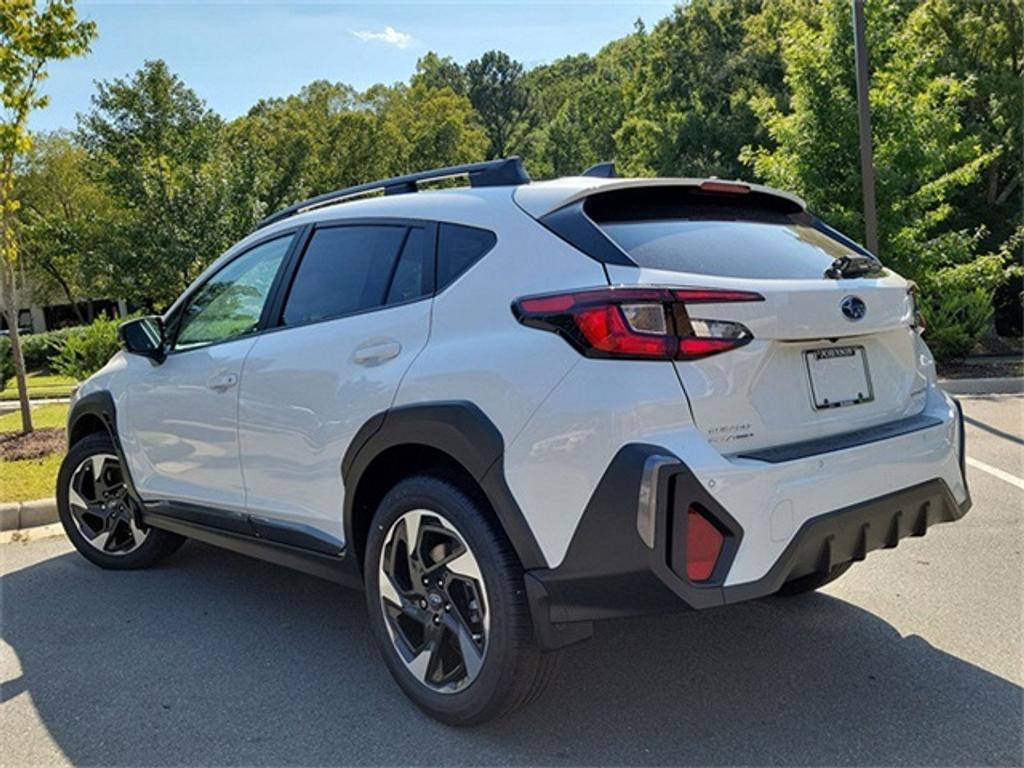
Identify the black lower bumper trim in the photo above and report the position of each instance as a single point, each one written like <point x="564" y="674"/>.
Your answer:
<point x="847" y="535"/>
<point x="609" y="572"/>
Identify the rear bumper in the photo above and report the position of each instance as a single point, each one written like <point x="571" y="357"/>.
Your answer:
<point x="611" y="570"/>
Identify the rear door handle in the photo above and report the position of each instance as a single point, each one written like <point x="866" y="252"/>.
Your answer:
<point x="222" y="382"/>
<point x="374" y="352"/>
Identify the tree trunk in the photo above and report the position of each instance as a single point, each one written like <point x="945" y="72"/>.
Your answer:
<point x="66" y="289"/>
<point x="11" y="312"/>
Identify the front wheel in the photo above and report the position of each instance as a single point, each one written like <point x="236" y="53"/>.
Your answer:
<point x="447" y="604"/>
<point x="99" y="514"/>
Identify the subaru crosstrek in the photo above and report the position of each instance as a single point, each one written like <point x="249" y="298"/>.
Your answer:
<point x="510" y="409"/>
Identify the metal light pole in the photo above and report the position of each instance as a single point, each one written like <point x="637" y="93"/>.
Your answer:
<point x="867" y="161"/>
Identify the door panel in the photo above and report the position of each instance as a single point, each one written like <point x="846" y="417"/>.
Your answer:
<point x="181" y="417"/>
<point x="180" y="426"/>
<point x="305" y="392"/>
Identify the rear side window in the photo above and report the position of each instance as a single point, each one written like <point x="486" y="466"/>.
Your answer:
<point x="356" y="268"/>
<point x="458" y="249"/>
<point x="715" y="235"/>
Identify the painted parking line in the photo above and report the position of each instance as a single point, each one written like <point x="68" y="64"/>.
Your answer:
<point x="996" y="472"/>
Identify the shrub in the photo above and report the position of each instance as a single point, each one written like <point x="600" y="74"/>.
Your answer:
<point x="86" y="349"/>
<point x="957" y="308"/>
<point x="6" y="362"/>
<point x="40" y="349"/>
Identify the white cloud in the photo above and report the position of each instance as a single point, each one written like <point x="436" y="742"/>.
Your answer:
<point x="390" y="35"/>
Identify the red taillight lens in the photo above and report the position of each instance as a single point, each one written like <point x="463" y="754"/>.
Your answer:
<point x="606" y="330"/>
<point x="637" y="323"/>
<point x="703" y="545"/>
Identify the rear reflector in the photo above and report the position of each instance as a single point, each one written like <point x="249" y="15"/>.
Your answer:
<point x="637" y="323"/>
<point x="703" y="545"/>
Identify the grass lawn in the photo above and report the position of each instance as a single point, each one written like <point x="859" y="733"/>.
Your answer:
<point x="29" y="479"/>
<point x="41" y="385"/>
<point x="43" y="416"/>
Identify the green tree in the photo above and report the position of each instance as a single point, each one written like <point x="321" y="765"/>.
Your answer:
<point x="434" y="71"/>
<point x="982" y="43"/>
<point x="67" y="221"/>
<point x="31" y="36"/>
<point x="158" y="151"/>
<point x="923" y="151"/>
<point x="497" y="91"/>
<point x="700" y="69"/>
<point x="432" y="127"/>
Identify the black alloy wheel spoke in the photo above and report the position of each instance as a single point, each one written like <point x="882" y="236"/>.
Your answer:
<point x="431" y="593"/>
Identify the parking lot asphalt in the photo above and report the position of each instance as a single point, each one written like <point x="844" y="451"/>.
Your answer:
<point x="913" y="658"/>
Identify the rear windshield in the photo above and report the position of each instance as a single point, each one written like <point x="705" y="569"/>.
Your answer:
<point x="712" y="235"/>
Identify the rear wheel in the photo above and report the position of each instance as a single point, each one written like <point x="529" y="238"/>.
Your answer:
<point x="99" y="514"/>
<point x="447" y="604"/>
<point x="810" y="583"/>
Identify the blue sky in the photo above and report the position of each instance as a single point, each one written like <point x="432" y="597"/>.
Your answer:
<point x="233" y="53"/>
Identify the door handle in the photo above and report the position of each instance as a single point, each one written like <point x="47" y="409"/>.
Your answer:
<point x="372" y="353"/>
<point x="222" y="382"/>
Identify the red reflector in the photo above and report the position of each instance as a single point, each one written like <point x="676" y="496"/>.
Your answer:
<point x="703" y="545"/>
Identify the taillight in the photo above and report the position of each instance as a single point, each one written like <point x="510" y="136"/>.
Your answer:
<point x="703" y="545"/>
<point x="638" y="323"/>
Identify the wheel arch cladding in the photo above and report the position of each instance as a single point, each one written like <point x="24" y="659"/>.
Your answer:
<point x="92" y="413"/>
<point x="453" y="436"/>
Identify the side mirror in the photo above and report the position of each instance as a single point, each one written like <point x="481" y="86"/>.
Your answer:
<point x="144" y="336"/>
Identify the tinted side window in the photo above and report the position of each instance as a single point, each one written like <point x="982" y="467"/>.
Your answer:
<point x="413" y="276"/>
<point x="458" y="249"/>
<point x="344" y="270"/>
<point x="230" y="303"/>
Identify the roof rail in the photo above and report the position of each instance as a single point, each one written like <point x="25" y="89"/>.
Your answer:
<point x="503" y="172"/>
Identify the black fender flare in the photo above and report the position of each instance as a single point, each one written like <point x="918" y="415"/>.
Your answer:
<point x="100" y="405"/>
<point x="462" y="431"/>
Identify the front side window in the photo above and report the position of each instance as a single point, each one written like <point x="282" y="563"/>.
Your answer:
<point x="230" y="303"/>
<point x="350" y="269"/>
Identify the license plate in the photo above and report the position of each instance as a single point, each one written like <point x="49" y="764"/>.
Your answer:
<point x="839" y="376"/>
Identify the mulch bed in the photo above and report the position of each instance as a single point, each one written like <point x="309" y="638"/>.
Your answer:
<point x="36" y="445"/>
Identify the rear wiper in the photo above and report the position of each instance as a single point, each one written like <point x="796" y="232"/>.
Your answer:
<point x="852" y="266"/>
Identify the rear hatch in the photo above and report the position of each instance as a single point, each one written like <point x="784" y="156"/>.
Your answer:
<point x="828" y="354"/>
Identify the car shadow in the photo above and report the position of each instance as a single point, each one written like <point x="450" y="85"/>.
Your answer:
<point x="216" y="659"/>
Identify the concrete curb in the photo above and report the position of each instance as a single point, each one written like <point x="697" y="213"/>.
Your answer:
<point x="1010" y="385"/>
<point x="28" y="514"/>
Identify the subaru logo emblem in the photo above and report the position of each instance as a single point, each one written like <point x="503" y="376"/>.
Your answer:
<point x="853" y="309"/>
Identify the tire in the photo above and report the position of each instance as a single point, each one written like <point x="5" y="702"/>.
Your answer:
<point x="110" y="536"/>
<point x="810" y="583"/>
<point x="500" y="672"/>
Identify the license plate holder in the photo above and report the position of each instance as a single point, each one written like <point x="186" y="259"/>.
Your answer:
<point x="838" y="376"/>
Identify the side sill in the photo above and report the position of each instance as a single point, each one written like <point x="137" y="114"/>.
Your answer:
<point x="337" y="568"/>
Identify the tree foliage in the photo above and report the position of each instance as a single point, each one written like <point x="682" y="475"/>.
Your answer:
<point x="32" y="35"/>
<point x="154" y="184"/>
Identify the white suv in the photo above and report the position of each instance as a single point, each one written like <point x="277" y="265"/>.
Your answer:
<point x="510" y="409"/>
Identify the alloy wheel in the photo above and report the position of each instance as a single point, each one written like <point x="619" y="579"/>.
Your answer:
<point x="102" y="508"/>
<point x="434" y="601"/>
